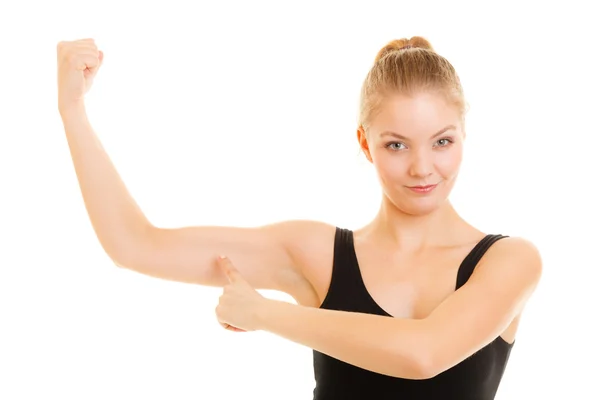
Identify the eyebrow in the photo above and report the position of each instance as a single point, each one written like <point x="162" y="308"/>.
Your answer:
<point x="399" y="136"/>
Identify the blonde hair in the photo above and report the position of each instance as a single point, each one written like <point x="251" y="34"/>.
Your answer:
<point x="408" y="66"/>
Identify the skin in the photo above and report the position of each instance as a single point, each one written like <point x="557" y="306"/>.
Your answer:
<point x="412" y="141"/>
<point x="413" y="238"/>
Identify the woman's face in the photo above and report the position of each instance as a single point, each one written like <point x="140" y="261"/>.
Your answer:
<point x="416" y="146"/>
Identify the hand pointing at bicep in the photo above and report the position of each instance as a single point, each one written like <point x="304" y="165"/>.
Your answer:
<point x="240" y="304"/>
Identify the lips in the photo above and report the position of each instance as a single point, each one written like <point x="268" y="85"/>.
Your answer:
<point x="422" y="189"/>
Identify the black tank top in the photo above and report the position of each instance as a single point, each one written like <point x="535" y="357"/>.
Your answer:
<point x="476" y="378"/>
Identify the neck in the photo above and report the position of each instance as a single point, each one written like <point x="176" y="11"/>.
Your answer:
<point x="416" y="232"/>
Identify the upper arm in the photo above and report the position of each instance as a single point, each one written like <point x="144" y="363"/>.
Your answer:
<point x="485" y="306"/>
<point x="262" y="254"/>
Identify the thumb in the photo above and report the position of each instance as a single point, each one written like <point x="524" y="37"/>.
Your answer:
<point x="100" y="57"/>
<point x="228" y="268"/>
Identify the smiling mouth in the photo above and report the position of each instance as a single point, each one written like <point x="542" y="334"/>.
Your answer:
<point x="423" y="189"/>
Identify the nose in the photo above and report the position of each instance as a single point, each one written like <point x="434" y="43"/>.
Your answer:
<point x="421" y="164"/>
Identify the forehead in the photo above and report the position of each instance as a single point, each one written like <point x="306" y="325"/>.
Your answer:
<point x="416" y="115"/>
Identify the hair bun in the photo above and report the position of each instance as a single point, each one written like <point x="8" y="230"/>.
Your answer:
<point x="403" y="44"/>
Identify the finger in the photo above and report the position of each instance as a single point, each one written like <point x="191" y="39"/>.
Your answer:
<point x="85" y="61"/>
<point x="224" y="324"/>
<point x="231" y="328"/>
<point x="230" y="271"/>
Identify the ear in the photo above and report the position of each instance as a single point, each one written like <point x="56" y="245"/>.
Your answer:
<point x="362" y="142"/>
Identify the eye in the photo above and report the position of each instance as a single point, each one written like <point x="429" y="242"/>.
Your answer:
<point x="444" y="142"/>
<point x="395" y="146"/>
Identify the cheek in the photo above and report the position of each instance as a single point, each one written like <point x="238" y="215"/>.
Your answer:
<point x="390" y="167"/>
<point x="449" y="162"/>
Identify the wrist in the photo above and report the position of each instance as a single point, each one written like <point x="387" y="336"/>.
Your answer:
<point x="71" y="109"/>
<point x="266" y="312"/>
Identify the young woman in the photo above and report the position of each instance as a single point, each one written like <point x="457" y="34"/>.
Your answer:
<point x="417" y="304"/>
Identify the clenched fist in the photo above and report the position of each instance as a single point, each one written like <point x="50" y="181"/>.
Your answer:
<point x="78" y="64"/>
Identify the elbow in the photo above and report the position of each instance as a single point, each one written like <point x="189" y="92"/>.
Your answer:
<point x="120" y="257"/>
<point x="419" y="366"/>
<point x="116" y="255"/>
<point x="130" y="250"/>
<point x="425" y="366"/>
<point x="432" y="359"/>
<point x="423" y="360"/>
<point x="120" y="262"/>
<point x="134" y="258"/>
<point x="130" y="256"/>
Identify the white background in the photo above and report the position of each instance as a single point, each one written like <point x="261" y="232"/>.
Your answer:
<point x="243" y="113"/>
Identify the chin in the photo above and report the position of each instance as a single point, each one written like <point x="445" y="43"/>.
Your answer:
<point x="415" y="206"/>
<point x="419" y="209"/>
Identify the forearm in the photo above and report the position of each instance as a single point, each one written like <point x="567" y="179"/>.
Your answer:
<point x="114" y="214"/>
<point x="384" y="345"/>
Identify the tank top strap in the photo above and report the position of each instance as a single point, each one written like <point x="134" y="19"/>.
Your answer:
<point x="345" y="287"/>
<point x="346" y="271"/>
<point x="472" y="259"/>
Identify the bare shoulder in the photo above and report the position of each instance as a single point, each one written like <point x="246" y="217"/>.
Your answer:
<point x="515" y="259"/>
<point x="301" y="235"/>
<point x="516" y="249"/>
